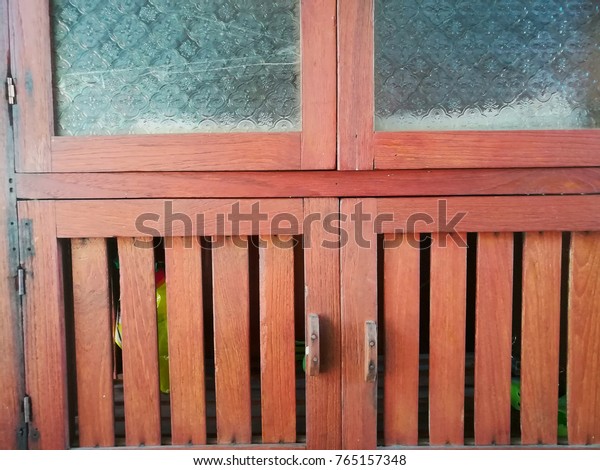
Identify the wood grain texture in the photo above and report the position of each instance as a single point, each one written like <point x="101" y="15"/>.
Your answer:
<point x="355" y="84"/>
<point x="322" y="297"/>
<point x="359" y="305"/>
<point x="448" y="279"/>
<point x="93" y="342"/>
<point x="540" y="337"/>
<point x="486" y="149"/>
<point x="583" y="370"/>
<point x="319" y="84"/>
<point x="277" y="340"/>
<point x="186" y="340"/>
<point x="520" y="181"/>
<point x="30" y="63"/>
<point x="187" y="217"/>
<point x="177" y="152"/>
<point x="232" y="339"/>
<point x="401" y="299"/>
<point x="140" y="342"/>
<point x="44" y="330"/>
<point x="493" y="341"/>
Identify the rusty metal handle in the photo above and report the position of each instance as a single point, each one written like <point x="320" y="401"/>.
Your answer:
<point x="370" y="351"/>
<point x="313" y="345"/>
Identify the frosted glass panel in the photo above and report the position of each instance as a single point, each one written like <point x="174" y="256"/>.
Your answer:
<point x="170" y="66"/>
<point x="485" y="64"/>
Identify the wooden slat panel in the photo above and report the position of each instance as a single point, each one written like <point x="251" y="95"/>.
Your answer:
<point x="93" y="342"/>
<point x="583" y="370"/>
<point x="44" y="320"/>
<point x="186" y="340"/>
<point x="493" y="342"/>
<point x="401" y="322"/>
<point x="140" y="341"/>
<point x="540" y="337"/>
<point x="486" y="149"/>
<point x="184" y="217"/>
<point x="322" y="297"/>
<point x="355" y="84"/>
<point x="319" y="84"/>
<point x="232" y="339"/>
<point x="359" y="305"/>
<point x="177" y="152"/>
<point x="447" y="339"/>
<point x="277" y="340"/>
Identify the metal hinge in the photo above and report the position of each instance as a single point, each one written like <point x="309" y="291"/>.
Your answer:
<point x="20" y="281"/>
<point x="27" y="409"/>
<point x="11" y="91"/>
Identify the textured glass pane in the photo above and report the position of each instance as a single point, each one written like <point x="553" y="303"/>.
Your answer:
<point x="167" y="66"/>
<point x="485" y="64"/>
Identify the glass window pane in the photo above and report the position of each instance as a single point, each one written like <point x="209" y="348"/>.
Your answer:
<point x="175" y="66"/>
<point x="485" y="64"/>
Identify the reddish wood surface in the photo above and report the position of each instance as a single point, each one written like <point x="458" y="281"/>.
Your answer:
<point x="232" y="339"/>
<point x="187" y="217"/>
<point x="447" y="339"/>
<point x="186" y="340"/>
<point x="93" y="342"/>
<point x="319" y="84"/>
<point x="583" y="370"/>
<point x="177" y="152"/>
<point x="401" y="329"/>
<point x="140" y="342"/>
<point x="355" y="84"/>
<point x="359" y="305"/>
<point x="277" y="340"/>
<point x="540" y="337"/>
<point x="30" y="63"/>
<point x="322" y="297"/>
<point x="44" y="320"/>
<point x="486" y="149"/>
<point x="493" y="341"/>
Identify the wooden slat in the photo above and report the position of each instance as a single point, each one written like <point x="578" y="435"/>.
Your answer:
<point x="583" y="370"/>
<point x="485" y="182"/>
<point x="140" y="342"/>
<point x="359" y="305"/>
<point x="355" y="84"/>
<point x="486" y="149"/>
<point x="277" y="340"/>
<point x="319" y="84"/>
<point x="447" y="339"/>
<point x="493" y="342"/>
<point x="177" y="152"/>
<point x="184" y="217"/>
<point x="322" y="297"/>
<point x="540" y="337"/>
<point x="93" y="342"/>
<point x="401" y="329"/>
<point x="186" y="340"/>
<point x="44" y="320"/>
<point x="232" y="339"/>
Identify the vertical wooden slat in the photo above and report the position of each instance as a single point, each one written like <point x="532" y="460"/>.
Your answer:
<point x="359" y="305"/>
<point x="355" y="84"/>
<point x="401" y="325"/>
<point x="493" y="329"/>
<point x="322" y="297"/>
<point x="44" y="319"/>
<point x="277" y="340"/>
<point x="447" y="339"/>
<point x="186" y="340"/>
<point x="140" y="342"/>
<point x="93" y="342"/>
<point x="540" y="337"/>
<point x="583" y="370"/>
<point x="232" y="339"/>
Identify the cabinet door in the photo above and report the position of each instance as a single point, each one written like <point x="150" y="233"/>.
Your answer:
<point x="207" y="300"/>
<point x="453" y="84"/>
<point x="158" y="85"/>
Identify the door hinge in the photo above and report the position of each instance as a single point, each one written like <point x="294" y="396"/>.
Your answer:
<point x="20" y="281"/>
<point x="27" y="409"/>
<point x="11" y="91"/>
